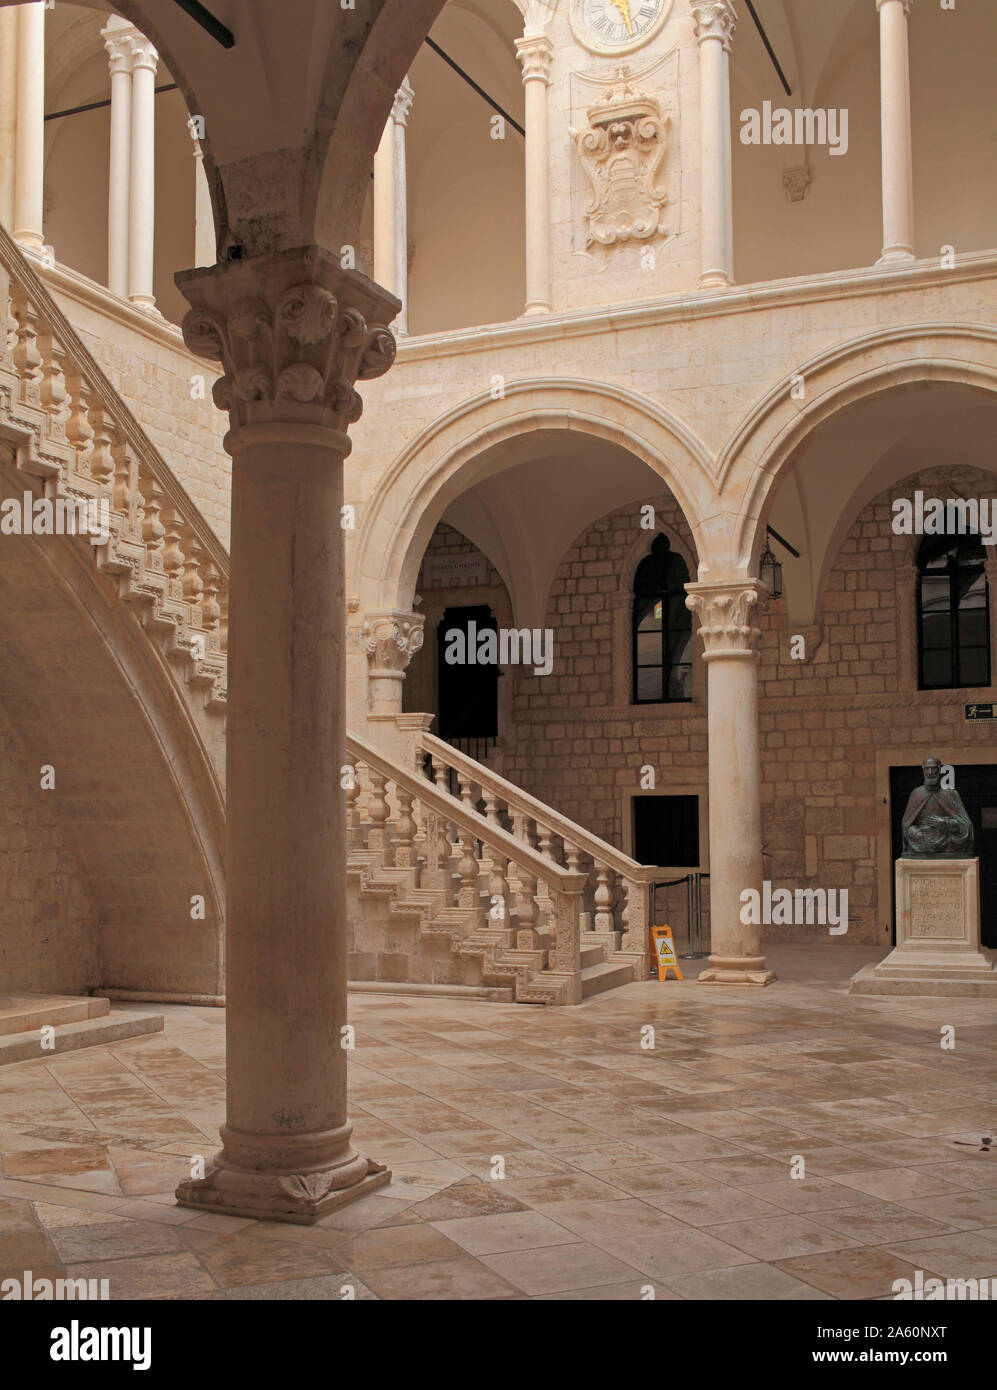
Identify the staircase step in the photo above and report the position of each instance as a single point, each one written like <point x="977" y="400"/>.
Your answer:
<point x="593" y="954"/>
<point x="19" y="1013"/>
<point x="69" y="1037"/>
<point x="596" y="978"/>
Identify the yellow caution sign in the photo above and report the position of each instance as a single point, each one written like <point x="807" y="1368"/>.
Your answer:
<point x="664" y="952"/>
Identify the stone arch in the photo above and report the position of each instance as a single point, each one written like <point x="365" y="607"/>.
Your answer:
<point x="135" y="796"/>
<point x="756" y="456"/>
<point x="468" y="443"/>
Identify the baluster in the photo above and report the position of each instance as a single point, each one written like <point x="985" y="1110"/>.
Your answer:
<point x="193" y="584"/>
<point x="101" y="460"/>
<point x="493" y="865"/>
<point x="467" y="867"/>
<point x="153" y="530"/>
<point x="353" y="831"/>
<point x="210" y="608"/>
<point x="79" y="430"/>
<point x="173" y="556"/>
<point x="8" y="338"/>
<point x="405" y="828"/>
<point x="27" y="358"/>
<point x="466" y="785"/>
<point x="544" y="839"/>
<point x="223" y="620"/>
<point x="524" y="888"/>
<point x="53" y="391"/>
<point x="378" y="812"/>
<point x="603" y="900"/>
<point x="125" y="499"/>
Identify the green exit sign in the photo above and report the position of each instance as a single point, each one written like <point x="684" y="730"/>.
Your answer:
<point x="981" y="711"/>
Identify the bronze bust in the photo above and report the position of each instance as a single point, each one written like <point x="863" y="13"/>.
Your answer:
<point x="936" y="825"/>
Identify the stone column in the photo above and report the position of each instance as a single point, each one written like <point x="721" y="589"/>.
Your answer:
<point x="117" y="36"/>
<point x="731" y="654"/>
<point x="715" y="21"/>
<point x="29" y="156"/>
<point x="390" y="641"/>
<point x="8" y="110"/>
<point x="894" y="96"/>
<point x="142" y="192"/>
<point x="391" y="205"/>
<point x="294" y="332"/>
<point x="535" y="50"/>
<point x="204" y="219"/>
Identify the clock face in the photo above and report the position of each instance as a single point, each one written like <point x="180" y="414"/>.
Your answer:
<point x="616" y="26"/>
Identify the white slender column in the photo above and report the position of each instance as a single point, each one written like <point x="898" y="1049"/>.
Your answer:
<point x="29" y="157"/>
<point x="8" y="110"/>
<point x="391" y="205"/>
<point x="535" y="50"/>
<point x="142" y="207"/>
<point x="294" y="332"/>
<point x="204" y="220"/>
<point x="117" y="35"/>
<point x="399" y="123"/>
<point x="715" y="21"/>
<point x="898" y="173"/>
<point x="731" y="655"/>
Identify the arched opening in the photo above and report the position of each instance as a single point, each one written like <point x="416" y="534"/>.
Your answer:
<point x="661" y="628"/>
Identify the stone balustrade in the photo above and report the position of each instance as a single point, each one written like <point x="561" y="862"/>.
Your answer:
<point x="74" y="441"/>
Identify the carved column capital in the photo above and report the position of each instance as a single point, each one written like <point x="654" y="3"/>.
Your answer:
<point x="294" y="333"/>
<point x="402" y="104"/>
<point x="117" y="35"/>
<point x="724" y="612"/>
<point x="535" y="53"/>
<point x="391" y="640"/>
<point x="715" y="19"/>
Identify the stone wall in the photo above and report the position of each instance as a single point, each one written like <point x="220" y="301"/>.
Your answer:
<point x="48" y="923"/>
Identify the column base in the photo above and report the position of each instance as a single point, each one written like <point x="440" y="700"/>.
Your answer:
<point x="899" y="256"/>
<point x="736" y="970"/>
<point x="715" y="280"/>
<point x="532" y="310"/>
<point x="146" y="303"/>
<point x="299" y="1199"/>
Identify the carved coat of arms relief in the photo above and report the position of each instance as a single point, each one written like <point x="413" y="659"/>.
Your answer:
<point x="622" y="151"/>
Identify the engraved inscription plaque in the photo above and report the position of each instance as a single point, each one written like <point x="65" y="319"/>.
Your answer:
<point x="937" y="906"/>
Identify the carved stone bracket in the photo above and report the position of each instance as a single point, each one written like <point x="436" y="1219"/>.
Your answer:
<point x="724" y="613"/>
<point x="294" y="333"/>
<point x="796" y="183"/>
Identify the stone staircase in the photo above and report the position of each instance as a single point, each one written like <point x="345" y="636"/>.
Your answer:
<point x="456" y="877"/>
<point x="75" y="1022"/>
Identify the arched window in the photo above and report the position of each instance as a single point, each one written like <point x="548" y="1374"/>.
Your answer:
<point x="662" y="628"/>
<point x="953" y="611"/>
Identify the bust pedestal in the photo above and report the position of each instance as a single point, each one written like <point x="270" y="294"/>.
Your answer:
<point x="938" y="947"/>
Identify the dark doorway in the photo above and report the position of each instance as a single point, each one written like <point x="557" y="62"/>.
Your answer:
<point x="468" y="689"/>
<point x="976" y="783"/>
<point x="666" y="831"/>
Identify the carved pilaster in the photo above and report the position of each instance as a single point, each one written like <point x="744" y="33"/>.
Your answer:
<point x="390" y="641"/>
<point x="715" y="19"/>
<point x="724" y="613"/>
<point x="402" y="105"/>
<point x="294" y="333"/>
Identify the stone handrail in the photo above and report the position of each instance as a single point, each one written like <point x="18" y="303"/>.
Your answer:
<point x="70" y="429"/>
<point x="501" y="875"/>
<point x="611" y="870"/>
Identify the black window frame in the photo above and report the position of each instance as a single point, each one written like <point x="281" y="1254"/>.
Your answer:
<point x="957" y="569"/>
<point x="660" y="547"/>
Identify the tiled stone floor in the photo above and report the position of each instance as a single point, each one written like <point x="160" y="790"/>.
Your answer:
<point x="623" y="1167"/>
